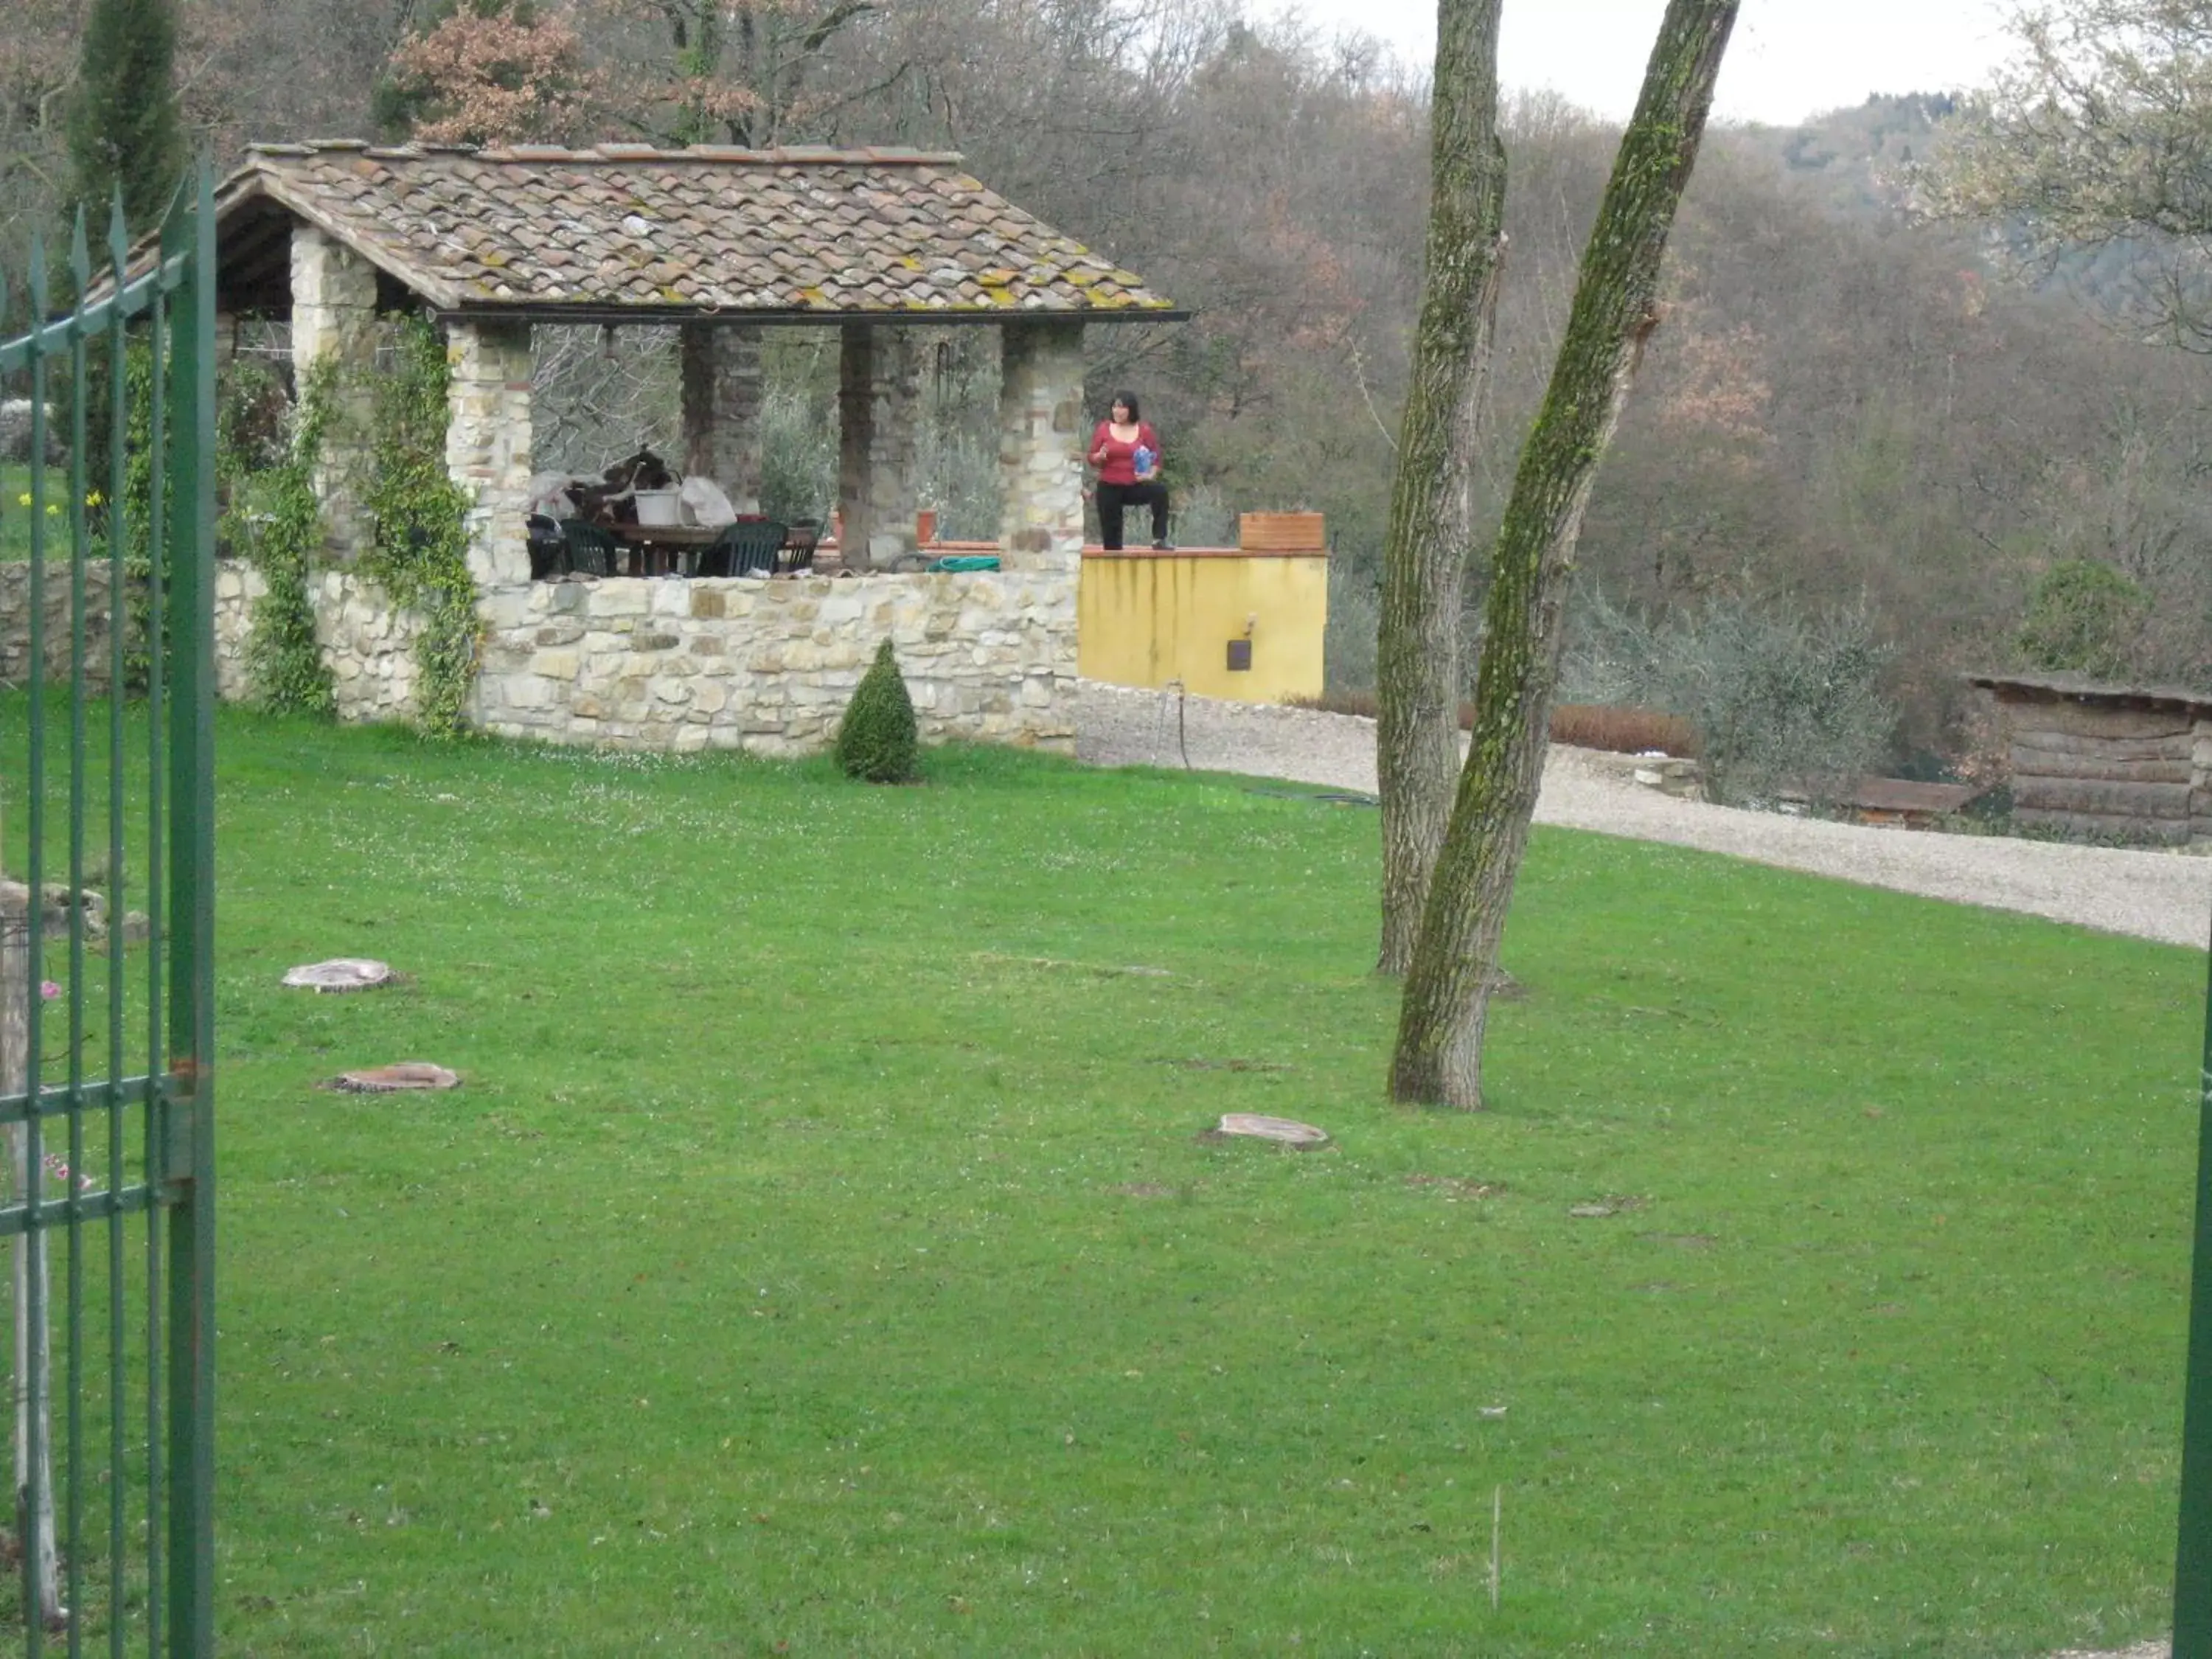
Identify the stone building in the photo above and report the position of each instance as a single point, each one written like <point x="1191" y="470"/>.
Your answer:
<point x="721" y="243"/>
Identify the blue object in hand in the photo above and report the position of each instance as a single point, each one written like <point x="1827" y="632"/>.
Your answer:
<point x="1143" y="461"/>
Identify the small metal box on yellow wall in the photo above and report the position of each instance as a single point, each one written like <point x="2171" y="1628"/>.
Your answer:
<point x="1244" y="622"/>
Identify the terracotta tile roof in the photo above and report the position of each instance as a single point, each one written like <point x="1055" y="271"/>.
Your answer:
<point x="630" y="229"/>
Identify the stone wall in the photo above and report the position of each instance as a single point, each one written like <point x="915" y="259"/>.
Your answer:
<point x="766" y="666"/>
<point x="15" y="624"/>
<point x="369" y="646"/>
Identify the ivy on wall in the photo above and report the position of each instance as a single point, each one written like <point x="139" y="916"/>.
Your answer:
<point x="283" y="520"/>
<point x="420" y="556"/>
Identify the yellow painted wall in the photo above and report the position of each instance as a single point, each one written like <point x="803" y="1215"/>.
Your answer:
<point x="1144" y="618"/>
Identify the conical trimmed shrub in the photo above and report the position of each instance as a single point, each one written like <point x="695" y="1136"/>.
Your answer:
<point x="878" y="740"/>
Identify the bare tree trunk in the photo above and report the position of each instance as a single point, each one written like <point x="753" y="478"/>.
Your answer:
<point x="1424" y="557"/>
<point x="1440" y="1022"/>
<point x="33" y="1356"/>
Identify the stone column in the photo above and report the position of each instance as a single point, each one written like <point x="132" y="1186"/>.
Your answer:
<point x="488" y="446"/>
<point x="334" y="316"/>
<point x="879" y="380"/>
<point x="225" y="339"/>
<point x="1041" y="437"/>
<point x="720" y="366"/>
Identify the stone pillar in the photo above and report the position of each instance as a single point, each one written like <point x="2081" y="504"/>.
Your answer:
<point x="1040" y="438"/>
<point x="334" y="316"/>
<point x="225" y="339"/>
<point x="488" y="446"/>
<point x="720" y="366"/>
<point x="879" y="380"/>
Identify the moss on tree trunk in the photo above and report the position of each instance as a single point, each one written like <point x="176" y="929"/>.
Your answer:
<point x="1438" y="1059"/>
<point x="1425" y="556"/>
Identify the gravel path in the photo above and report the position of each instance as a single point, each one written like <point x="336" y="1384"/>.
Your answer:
<point x="2153" y="895"/>
<point x="2160" y="895"/>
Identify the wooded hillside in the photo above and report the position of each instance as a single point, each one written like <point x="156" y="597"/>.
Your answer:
<point x="1850" y="424"/>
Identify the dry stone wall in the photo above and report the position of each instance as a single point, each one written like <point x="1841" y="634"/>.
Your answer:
<point x="369" y="646"/>
<point x="15" y="624"/>
<point x="762" y="665"/>
<point x="768" y="667"/>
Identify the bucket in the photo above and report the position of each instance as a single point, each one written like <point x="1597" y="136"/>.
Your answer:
<point x="658" y="507"/>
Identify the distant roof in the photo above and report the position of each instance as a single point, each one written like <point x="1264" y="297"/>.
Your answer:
<point x="631" y="233"/>
<point x="2080" y="688"/>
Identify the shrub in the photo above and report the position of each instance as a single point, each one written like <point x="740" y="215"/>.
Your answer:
<point x="2084" y="617"/>
<point x="878" y="740"/>
<point x="1777" y="701"/>
<point x="1621" y="730"/>
<point x="1780" y="702"/>
<point x="798" y="453"/>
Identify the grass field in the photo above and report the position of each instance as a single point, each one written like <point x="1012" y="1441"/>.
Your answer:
<point x="822" y="1256"/>
<point x="15" y="514"/>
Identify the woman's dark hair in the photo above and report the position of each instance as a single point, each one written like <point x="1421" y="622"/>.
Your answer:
<point x="1128" y="401"/>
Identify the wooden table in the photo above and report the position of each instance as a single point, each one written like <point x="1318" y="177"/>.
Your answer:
<point x="657" y="549"/>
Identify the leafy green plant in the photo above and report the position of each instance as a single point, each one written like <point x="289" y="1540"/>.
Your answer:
<point x="2084" y="617"/>
<point x="877" y="739"/>
<point x="420" y="555"/>
<point x="798" y="452"/>
<point x="282" y="657"/>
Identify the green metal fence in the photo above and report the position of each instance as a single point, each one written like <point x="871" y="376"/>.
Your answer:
<point x="106" y="932"/>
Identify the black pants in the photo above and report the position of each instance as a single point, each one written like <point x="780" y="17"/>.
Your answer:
<point x="1113" y="498"/>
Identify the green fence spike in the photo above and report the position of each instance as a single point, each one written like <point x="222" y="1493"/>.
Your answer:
<point x="80" y="255"/>
<point x="36" y="276"/>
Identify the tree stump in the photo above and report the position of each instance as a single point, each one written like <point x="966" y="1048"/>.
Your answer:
<point x="342" y="974"/>
<point x="1287" y="1132"/>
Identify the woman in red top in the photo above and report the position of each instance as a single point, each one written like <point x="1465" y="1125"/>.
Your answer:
<point x="1120" y="442"/>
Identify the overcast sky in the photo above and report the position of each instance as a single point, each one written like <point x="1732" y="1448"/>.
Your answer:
<point x="1788" y="58"/>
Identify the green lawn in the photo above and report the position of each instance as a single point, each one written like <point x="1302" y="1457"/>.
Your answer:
<point x="15" y="514"/>
<point x="824" y="1258"/>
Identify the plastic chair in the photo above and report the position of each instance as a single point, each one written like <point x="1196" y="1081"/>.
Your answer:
<point x="747" y="548"/>
<point x="799" y="542"/>
<point x="548" y="549"/>
<point x="591" y="551"/>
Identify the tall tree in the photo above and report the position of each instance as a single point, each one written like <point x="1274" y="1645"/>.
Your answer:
<point x="1425" y="556"/>
<point x="1440" y="1024"/>
<point x="737" y="72"/>
<point x="124" y="129"/>
<point x="2094" y="137"/>
<point x="485" y="72"/>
